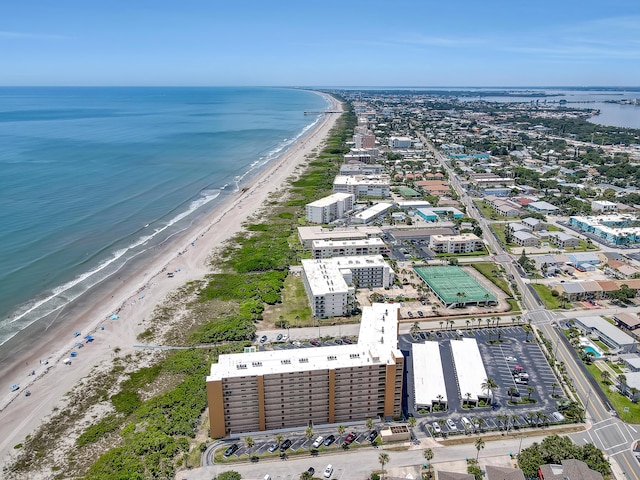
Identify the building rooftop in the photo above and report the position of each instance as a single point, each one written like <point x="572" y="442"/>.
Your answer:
<point x="377" y="344"/>
<point x="361" y="242"/>
<point x="325" y="276"/>
<point x="331" y="199"/>
<point x="373" y="211"/>
<point x="607" y="329"/>
<point x="469" y="368"/>
<point x="428" y="376"/>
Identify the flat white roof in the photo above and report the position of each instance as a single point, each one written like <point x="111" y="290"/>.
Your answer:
<point x="361" y="242"/>
<point x="377" y="344"/>
<point x="607" y="329"/>
<point x="317" y="232"/>
<point x="373" y="211"/>
<point x="465" y="237"/>
<point x="428" y="377"/>
<point x="362" y="180"/>
<point x="330" y="200"/>
<point x="324" y="278"/>
<point x="469" y="368"/>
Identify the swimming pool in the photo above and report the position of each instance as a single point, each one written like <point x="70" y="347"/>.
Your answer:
<point x="592" y="350"/>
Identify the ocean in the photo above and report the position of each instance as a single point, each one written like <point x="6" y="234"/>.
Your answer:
<point x="94" y="178"/>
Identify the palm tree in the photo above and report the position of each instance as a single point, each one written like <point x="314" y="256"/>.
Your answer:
<point x="440" y="398"/>
<point x="412" y="422"/>
<point x="530" y="390"/>
<point x="605" y="376"/>
<point x="489" y="385"/>
<point x="415" y="328"/>
<point x="467" y="321"/>
<point x="383" y="459"/>
<point x="480" y="421"/>
<point x="248" y="441"/>
<point x="514" y="419"/>
<point x="308" y="433"/>
<point x="634" y="394"/>
<point x="530" y="416"/>
<point x="369" y="423"/>
<point x="511" y="392"/>
<point x="279" y="438"/>
<point x="428" y="456"/>
<point x="452" y="323"/>
<point x="341" y="429"/>
<point x="441" y="322"/>
<point x="479" y="321"/>
<point x="488" y="320"/>
<point x="479" y="443"/>
<point x="554" y="385"/>
<point x="622" y="379"/>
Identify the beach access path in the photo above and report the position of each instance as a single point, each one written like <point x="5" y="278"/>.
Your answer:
<point x="134" y="299"/>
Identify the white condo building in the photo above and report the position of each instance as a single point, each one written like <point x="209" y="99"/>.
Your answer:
<point x="363" y="185"/>
<point x="400" y="142"/>
<point x="328" y="209"/>
<point x="465" y="243"/>
<point x="347" y="248"/>
<point x="330" y="283"/>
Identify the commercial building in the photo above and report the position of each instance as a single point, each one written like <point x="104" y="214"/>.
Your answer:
<point x="400" y="142"/>
<point x="330" y="283"/>
<point x="363" y="185"/>
<point x="269" y="390"/>
<point x="465" y="243"/>
<point x="428" y="377"/>
<point x="372" y="213"/>
<point x="346" y="248"/>
<point x="615" y="338"/>
<point x="470" y="371"/>
<point x="543" y="207"/>
<point x="328" y="209"/>
<point x="307" y="235"/>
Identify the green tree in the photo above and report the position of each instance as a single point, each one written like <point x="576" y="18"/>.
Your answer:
<point x="479" y="444"/>
<point x="530" y="390"/>
<point x="489" y="385"/>
<point x="279" y="439"/>
<point x="369" y="423"/>
<point x="248" y="441"/>
<point x="306" y="475"/>
<point x="383" y="459"/>
<point x="605" y="376"/>
<point x="411" y="422"/>
<point x="341" y="429"/>
<point x="554" y="385"/>
<point x="230" y="475"/>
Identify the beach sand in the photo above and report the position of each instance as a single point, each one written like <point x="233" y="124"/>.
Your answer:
<point x="134" y="298"/>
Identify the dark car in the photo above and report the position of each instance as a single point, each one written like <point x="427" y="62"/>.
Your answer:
<point x="329" y="440"/>
<point x="231" y="450"/>
<point x="285" y="445"/>
<point x="338" y="341"/>
<point x="420" y="313"/>
<point x="315" y="342"/>
<point x="347" y="340"/>
<point x="423" y="336"/>
<point x="514" y="393"/>
<point x="263" y="338"/>
<point x="350" y="438"/>
<point x="279" y="337"/>
<point x="311" y="470"/>
<point x="372" y="436"/>
<point x="438" y="334"/>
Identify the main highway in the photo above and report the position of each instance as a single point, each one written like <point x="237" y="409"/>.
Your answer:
<point x="604" y="429"/>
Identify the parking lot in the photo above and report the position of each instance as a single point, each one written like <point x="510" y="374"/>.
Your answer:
<point x="267" y="445"/>
<point x="500" y="358"/>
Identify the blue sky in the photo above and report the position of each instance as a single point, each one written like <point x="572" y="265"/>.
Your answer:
<point x="321" y="43"/>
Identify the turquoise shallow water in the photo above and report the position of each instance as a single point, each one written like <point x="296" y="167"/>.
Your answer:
<point x="93" y="177"/>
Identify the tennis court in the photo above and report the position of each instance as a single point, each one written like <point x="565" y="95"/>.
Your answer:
<point x="455" y="287"/>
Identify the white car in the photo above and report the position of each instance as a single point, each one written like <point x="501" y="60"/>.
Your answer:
<point x="318" y="441"/>
<point x="285" y="337"/>
<point x="328" y="471"/>
<point x="451" y="424"/>
<point x="511" y="359"/>
<point x="436" y="427"/>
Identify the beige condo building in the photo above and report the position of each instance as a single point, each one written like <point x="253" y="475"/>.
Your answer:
<point x="250" y="392"/>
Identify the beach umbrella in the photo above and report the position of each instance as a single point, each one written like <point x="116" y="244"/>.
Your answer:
<point x="114" y="317"/>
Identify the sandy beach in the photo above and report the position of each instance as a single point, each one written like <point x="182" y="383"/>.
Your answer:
<point x="133" y="297"/>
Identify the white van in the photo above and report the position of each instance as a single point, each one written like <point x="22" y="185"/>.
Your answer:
<point x="466" y="423"/>
<point x="267" y="477"/>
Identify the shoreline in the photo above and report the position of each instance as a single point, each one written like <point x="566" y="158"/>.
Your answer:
<point x="134" y="298"/>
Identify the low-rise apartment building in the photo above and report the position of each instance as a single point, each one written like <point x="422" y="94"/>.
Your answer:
<point x="269" y="390"/>
<point x="363" y="185"/>
<point x="347" y="248"/>
<point x="330" y="282"/>
<point x="307" y="235"/>
<point x="465" y="243"/>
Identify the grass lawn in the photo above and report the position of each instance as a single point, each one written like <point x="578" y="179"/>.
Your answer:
<point x="582" y="247"/>
<point x="602" y="345"/>
<point x="618" y="401"/>
<point x="545" y="295"/>
<point x="498" y="229"/>
<point x="514" y="305"/>
<point x="294" y="307"/>
<point x="491" y="270"/>
<point x="553" y="228"/>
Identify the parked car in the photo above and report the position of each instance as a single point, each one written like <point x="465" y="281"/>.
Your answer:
<point x="338" y="341"/>
<point x="328" y="471"/>
<point x="347" y="340"/>
<point x="273" y="447"/>
<point x="410" y="314"/>
<point x="372" y="436"/>
<point x="311" y="470"/>
<point x="436" y="427"/>
<point x="279" y="337"/>
<point x="285" y="445"/>
<point x="263" y="338"/>
<point x="231" y="450"/>
<point x="439" y="334"/>
<point x="285" y="337"/>
<point x="420" y="313"/>
<point x="423" y="336"/>
<point x="315" y="342"/>
<point x="350" y="438"/>
<point x="318" y="441"/>
<point x="329" y="440"/>
<point x="511" y="359"/>
<point x="451" y="424"/>
<point x="514" y="393"/>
